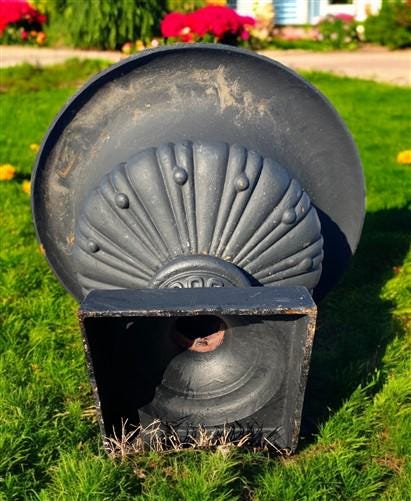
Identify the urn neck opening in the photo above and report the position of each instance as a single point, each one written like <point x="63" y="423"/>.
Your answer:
<point x="202" y="333"/>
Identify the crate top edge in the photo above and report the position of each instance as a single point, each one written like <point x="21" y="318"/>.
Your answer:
<point x="225" y="300"/>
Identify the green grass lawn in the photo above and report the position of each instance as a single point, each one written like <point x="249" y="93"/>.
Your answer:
<point x="356" y="435"/>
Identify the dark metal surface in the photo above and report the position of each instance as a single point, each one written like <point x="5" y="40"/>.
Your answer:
<point x="170" y="189"/>
<point x="234" y="212"/>
<point x="200" y="94"/>
<point x="253" y="377"/>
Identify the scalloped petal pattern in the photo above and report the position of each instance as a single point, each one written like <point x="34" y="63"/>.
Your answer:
<point x="197" y="198"/>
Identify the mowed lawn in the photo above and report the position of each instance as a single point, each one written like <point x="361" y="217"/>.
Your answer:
<point x="356" y="433"/>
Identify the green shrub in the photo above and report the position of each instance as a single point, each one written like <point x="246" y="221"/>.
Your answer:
<point x="392" y="25"/>
<point x="104" y="24"/>
<point x="339" y="31"/>
<point x="184" y="5"/>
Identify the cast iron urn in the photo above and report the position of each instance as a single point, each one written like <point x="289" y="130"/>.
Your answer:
<point x="195" y="198"/>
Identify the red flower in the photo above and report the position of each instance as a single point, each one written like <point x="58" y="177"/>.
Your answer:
<point x="12" y="11"/>
<point x="186" y="35"/>
<point x="214" y="20"/>
<point x="173" y="24"/>
<point x="41" y="18"/>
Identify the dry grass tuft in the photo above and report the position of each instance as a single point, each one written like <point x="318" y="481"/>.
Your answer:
<point x="159" y="438"/>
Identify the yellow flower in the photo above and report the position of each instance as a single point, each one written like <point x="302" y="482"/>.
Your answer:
<point x="41" y="38"/>
<point x="140" y="45"/>
<point x="26" y="186"/>
<point x="7" y="172"/>
<point x="35" y="147"/>
<point x="216" y="2"/>
<point x="404" y="157"/>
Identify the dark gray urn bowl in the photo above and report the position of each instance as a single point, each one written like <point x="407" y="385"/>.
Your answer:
<point x="199" y="146"/>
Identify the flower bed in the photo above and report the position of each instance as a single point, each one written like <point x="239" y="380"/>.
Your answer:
<point x="21" y="23"/>
<point x="213" y="23"/>
<point x="339" y="31"/>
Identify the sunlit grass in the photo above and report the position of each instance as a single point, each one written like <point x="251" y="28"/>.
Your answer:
<point x="356" y="434"/>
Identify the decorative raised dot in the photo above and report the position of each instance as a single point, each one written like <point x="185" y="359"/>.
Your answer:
<point x="180" y="175"/>
<point x="241" y="182"/>
<point x="122" y="200"/>
<point x="307" y="263"/>
<point x="92" y="246"/>
<point x="289" y="216"/>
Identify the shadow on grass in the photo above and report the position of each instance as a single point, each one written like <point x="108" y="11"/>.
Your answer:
<point x="354" y="324"/>
<point x="354" y="327"/>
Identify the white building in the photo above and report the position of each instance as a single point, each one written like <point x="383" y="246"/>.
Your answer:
<point x="298" y="12"/>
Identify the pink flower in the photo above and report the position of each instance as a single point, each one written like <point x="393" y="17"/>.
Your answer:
<point x="247" y="20"/>
<point x="245" y="35"/>
<point x="346" y="18"/>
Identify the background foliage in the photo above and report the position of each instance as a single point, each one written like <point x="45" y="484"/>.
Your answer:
<point x="184" y="5"/>
<point x="104" y="24"/>
<point x="391" y="26"/>
<point x="112" y="24"/>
